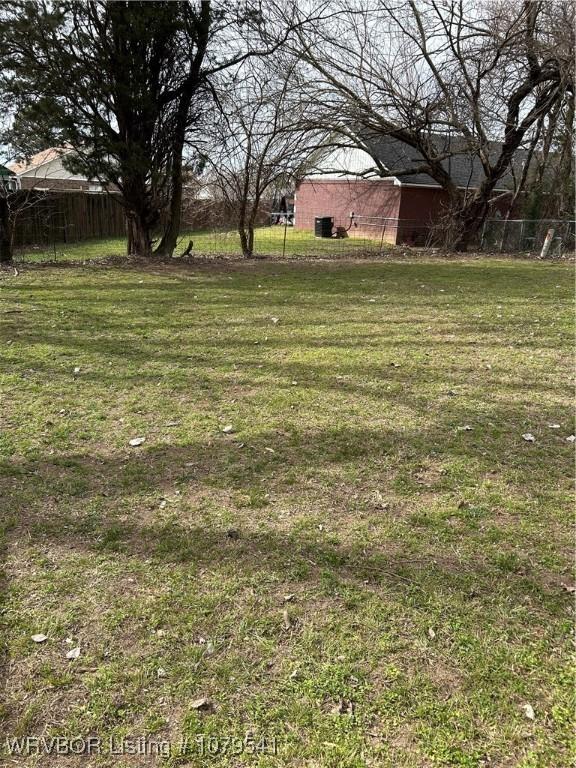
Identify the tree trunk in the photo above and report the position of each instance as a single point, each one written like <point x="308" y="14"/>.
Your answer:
<point x="246" y="241"/>
<point x="5" y="233"/>
<point x="250" y="228"/>
<point x="468" y="223"/>
<point x="169" y="239"/>
<point x="139" y="239"/>
<point x="249" y="223"/>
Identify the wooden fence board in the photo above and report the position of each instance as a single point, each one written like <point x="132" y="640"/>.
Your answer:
<point x="64" y="217"/>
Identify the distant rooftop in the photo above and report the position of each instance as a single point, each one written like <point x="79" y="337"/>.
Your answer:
<point x="463" y="166"/>
<point x="40" y="158"/>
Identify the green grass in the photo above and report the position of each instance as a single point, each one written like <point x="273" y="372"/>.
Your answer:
<point x="268" y="241"/>
<point x="424" y="562"/>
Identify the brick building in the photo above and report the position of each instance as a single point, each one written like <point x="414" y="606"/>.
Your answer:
<point x="398" y="208"/>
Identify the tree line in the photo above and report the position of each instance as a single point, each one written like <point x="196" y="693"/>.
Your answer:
<point x="254" y="94"/>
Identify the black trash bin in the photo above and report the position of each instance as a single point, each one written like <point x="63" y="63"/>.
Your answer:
<point x="323" y="226"/>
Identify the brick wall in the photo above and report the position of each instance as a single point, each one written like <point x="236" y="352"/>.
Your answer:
<point x="421" y="207"/>
<point x="338" y="197"/>
<point x="412" y="210"/>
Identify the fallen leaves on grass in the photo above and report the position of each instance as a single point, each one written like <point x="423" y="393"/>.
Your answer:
<point x="528" y="710"/>
<point x="344" y="707"/>
<point x="40" y="638"/>
<point x="202" y="705"/>
<point x="379" y="502"/>
<point x="73" y="653"/>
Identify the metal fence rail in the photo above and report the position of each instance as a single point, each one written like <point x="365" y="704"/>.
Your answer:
<point x="369" y="232"/>
<point x="370" y="235"/>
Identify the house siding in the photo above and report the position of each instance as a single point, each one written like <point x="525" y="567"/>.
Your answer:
<point x="339" y="197"/>
<point x="56" y="185"/>
<point x="53" y="176"/>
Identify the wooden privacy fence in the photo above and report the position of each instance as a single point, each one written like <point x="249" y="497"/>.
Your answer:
<point x="48" y="218"/>
<point x="43" y="218"/>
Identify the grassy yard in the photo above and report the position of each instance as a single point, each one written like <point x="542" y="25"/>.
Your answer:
<point x="268" y="241"/>
<point x="370" y="569"/>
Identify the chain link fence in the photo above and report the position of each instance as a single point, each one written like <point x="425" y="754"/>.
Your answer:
<point x="277" y="235"/>
<point x="528" y="236"/>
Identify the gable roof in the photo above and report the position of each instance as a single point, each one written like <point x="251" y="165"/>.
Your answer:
<point x="463" y="166"/>
<point x="40" y="158"/>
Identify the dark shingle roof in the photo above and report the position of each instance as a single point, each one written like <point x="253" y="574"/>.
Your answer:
<point x="463" y="166"/>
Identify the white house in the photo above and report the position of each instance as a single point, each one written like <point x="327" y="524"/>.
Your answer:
<point x="45" y="172"/>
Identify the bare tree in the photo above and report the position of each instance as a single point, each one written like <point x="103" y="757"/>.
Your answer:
<point x="122" y="83"/>
<point x="12" y="202"/>
<point x="549" y="181"/>
<point x="5" y="228"/>
<point x="261" y="140"/>
<point x="447" y="78"/>
<point x="19" y="206"/>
